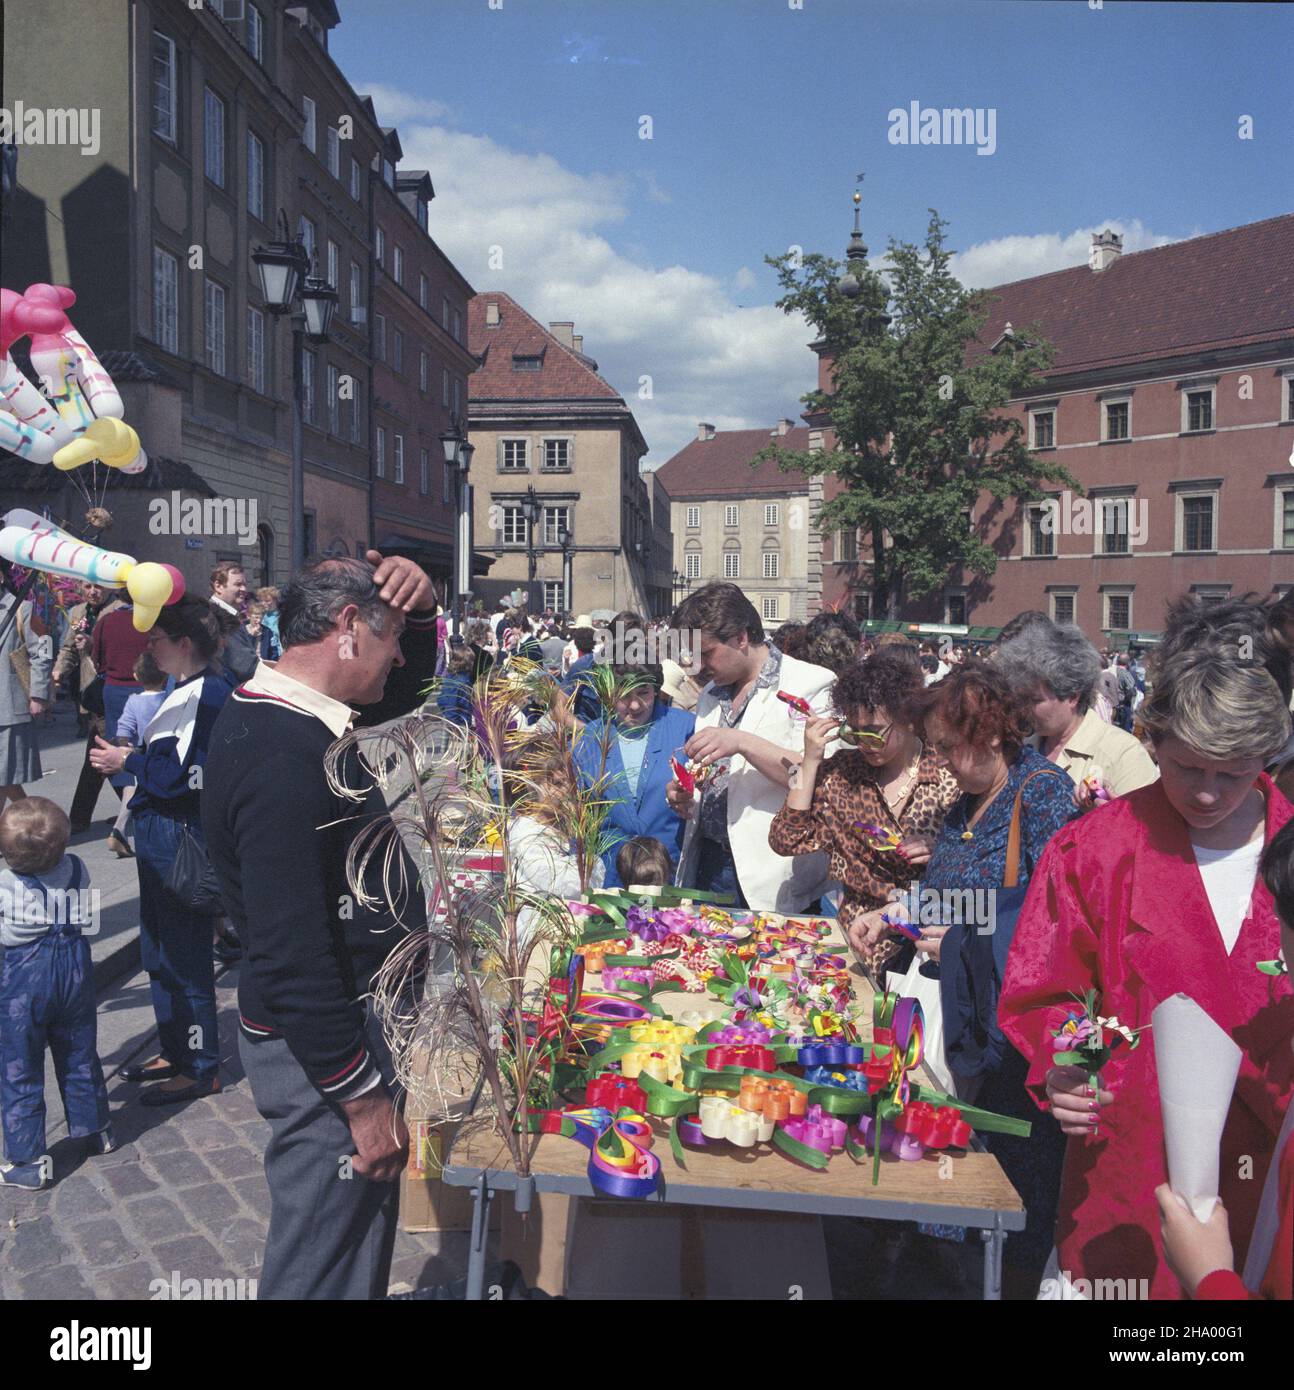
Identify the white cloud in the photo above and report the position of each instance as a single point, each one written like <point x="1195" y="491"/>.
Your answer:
<point x="395" y="107"/>
<point x="744" y="278"/>
<point x="1008" y="258"/>
<point x="707" y="358"/>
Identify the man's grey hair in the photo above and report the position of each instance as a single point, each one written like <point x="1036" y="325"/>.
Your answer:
<point x="311" y="602"/>
<point x="1057" y="656"/>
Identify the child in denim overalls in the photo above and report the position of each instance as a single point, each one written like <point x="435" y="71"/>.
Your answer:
<point x="46" y="992"/>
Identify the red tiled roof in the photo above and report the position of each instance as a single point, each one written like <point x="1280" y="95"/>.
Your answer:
<point x="563" y="376"/>
<point x="722" y="465"/>
<point x="1212" y="292"/>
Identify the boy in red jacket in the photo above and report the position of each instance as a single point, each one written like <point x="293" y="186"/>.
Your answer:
<point x="1200" y="1254"/>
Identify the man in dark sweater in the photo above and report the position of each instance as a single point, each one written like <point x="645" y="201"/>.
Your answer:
<point x="277" y="837"/>
<point x="241" y="651"/>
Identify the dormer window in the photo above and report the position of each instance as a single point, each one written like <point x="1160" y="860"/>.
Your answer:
<point x="422" y="213"/>
<point x="527" y="362"/>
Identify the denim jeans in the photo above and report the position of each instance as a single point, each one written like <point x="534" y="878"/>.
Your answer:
<point x="175" y="946"/>
<point x="715" y="871"/>
<point x="47" y="1001"/>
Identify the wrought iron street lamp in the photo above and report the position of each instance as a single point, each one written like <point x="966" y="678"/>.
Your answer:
<point x="564" y="540"/>
<point x="530" y="509"/>
<point x="288" y="288"/>
<point x="458" y="457"/>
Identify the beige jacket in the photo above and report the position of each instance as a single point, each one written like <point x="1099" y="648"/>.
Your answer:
<point x="1123" y="763"/>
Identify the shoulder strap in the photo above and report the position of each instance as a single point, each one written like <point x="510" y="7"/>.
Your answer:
<point x="1011" y="878"/>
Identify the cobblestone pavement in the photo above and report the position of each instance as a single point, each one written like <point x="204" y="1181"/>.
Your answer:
<point x="184" y="1195"/>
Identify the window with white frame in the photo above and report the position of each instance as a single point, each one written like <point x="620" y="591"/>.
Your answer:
<point x="1197" y="409"/>
<point x="424" y="371"/>
<point x="557" y="455"/>
<point x="732" y="564"/>
<point x="1210" y="595"/>
<point x="555" y="595"/>
<point x="398" y="458"/>
<point x="356" y="411"/>
<point x="309" y="137"/>
<point x="554" y="519"/>
<point x="397" y="264"/>
<point x="214" y="307"/>
<point x="334" y="265"/>
<point x="1044" y="428"/>
<point x="213" y="136"/>
<point x="334" y="400"/>
<point x="354" y="179"/>
<point x="1284" y="518"/>
<point x="308" y="233"/>
<point x="308" y="386"/>
<point x="254" y="33"/>
<point x="333" y="149"/>
<point x="379" y="454"/>
<point x="1062" y="605"/>
<point x="692" y="564"/>
<point x="166" y="300"/>
<point x="458" y="326"/>
<point x="1197" y="520"/>
<point x="379" y="247"/>
<point x="1113" y="523"/>
<point x="424" y="471"/>
<point x="693" y="518"/>
<point x="772" y="564"/>
<point x="1039" y="532"/>
<point x="514" y="526"/>
<point x="514" y="455"/>
<point x="771" y="514"/>
<point x="731" y="515"/>
<point x="771" y="608"/>
<point x="166" y="88"/>
<point x="256" y="375"/>
<point x="255" y="175"/>
<point x="1117" y="604"/>
<point x="1289" y="396"/>
<point x="1116" y="419"/>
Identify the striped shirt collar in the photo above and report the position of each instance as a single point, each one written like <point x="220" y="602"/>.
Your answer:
<point x="267" y="682"/>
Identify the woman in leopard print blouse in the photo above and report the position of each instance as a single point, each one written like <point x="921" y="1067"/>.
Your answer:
<point x="886" y="779"/>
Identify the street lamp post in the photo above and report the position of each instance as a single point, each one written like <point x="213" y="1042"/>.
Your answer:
<point x="530" y="510"/>
<point x="288" y="286"/>
<point x="458" y="456"/>
<point x="564" y="540"/>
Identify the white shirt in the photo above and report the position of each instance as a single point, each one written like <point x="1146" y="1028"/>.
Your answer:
<point x="1229" y="876"/>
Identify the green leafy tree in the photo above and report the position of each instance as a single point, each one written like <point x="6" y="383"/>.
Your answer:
<point x="918" y="423"/>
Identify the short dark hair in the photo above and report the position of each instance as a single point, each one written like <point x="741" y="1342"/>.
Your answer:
<point x="197" y="620"/>
<point x="792" y="640"/>
<point x="976" y="700"/>
<point x="1277" y="869"/>
<point x="585" y="640"/>
<point x="723" y="610"/>
<point x="220" y="574"/>
<point x="644" y="860"/>
<point x="1263" y="626"/>
<point x="890" y="679"/>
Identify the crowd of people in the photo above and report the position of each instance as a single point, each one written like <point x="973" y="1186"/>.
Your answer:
<point x="1080" y="819"/>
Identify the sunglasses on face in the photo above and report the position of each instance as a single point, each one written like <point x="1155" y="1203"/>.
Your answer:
<point x="869" y="736"/>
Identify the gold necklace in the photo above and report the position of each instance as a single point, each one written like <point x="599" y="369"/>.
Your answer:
<point x="909" y="778"/>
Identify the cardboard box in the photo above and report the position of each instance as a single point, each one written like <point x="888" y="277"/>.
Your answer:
<point x="427" y="1203"/>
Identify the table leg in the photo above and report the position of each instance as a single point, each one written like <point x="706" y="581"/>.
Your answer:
<point x="993" y="1242"/>
<point x="481" y="1196"/>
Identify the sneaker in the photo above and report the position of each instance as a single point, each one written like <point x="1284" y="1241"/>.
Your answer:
<point x="105" y="1142"/>
<point x="28" y="1175"/>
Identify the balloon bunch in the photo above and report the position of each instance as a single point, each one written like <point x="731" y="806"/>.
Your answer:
<point x="37" y="544"/>
<point x="79" y="417"/>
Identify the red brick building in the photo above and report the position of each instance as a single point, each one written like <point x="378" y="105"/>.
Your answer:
<point x="1171" y="400"/>
<point x="421" y="363"/>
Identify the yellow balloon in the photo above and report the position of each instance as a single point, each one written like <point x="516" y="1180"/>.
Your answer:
<point x="112" y="441"/>
<point x="149" y="586"/>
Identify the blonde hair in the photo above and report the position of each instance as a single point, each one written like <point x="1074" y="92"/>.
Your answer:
<point x="1222" y="706"/>
<point x="33" y="835"/>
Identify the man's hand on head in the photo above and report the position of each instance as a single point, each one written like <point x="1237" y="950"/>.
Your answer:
<point x="403" y="584"/>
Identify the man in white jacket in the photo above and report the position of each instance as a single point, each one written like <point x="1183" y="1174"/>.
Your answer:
<point x="753" y="742"/>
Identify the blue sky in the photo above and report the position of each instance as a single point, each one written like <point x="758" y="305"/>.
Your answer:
<point x="762" y="115"/>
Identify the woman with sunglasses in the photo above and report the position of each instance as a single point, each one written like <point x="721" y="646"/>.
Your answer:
<point x="876" y="806"/>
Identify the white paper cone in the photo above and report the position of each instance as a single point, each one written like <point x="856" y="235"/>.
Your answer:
<point x="1197" y="1065"/>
